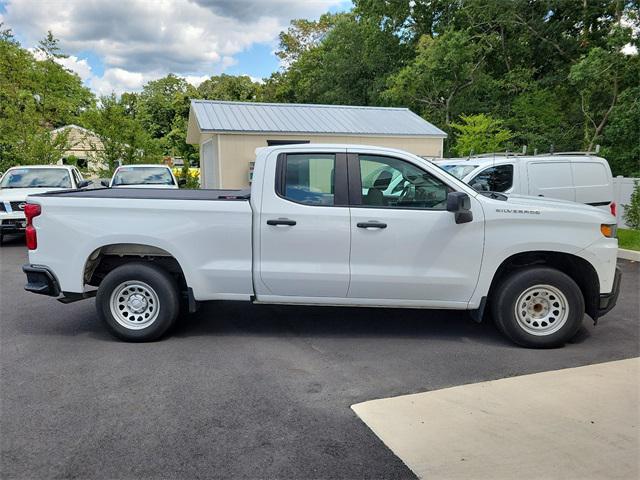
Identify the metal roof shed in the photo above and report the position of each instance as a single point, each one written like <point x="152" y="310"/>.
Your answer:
<point x="229" y="132"/>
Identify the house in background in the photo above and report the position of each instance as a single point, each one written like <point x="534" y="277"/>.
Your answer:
<point x="84" y="145"/>
<point x="228" y="133"/>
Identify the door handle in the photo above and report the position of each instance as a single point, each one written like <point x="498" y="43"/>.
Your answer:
<point x="281" y="221"/>
<point x="372" y="225"/>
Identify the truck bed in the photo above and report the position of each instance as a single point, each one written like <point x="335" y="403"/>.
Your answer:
<point x="152" y="193"/>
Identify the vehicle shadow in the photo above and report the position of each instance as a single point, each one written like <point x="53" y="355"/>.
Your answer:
<point x="244" y="319"/>
<point x="13" y="240"/>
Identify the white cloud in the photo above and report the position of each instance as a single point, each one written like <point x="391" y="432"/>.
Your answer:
<point x="77" y="65"/>
<point x="118" y="80"/>
<point x="196" y="80"/>
<point x="140" y="39"/>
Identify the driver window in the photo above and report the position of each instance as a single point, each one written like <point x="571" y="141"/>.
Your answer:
<point x="393" y="183"/>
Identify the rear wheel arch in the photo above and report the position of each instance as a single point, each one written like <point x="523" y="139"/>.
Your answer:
<point x="108" y="257"/>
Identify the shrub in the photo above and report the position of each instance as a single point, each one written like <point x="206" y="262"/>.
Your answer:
<point x="632" y="210"/>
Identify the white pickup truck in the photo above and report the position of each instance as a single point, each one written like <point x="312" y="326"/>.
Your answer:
<point x="316" y="229"/>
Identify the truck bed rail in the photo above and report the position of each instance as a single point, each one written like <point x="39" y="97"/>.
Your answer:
<point x="152" y="193"/>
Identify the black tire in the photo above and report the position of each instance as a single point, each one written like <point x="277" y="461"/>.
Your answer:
<point x="1" y="240"/>
<point x="509" y="290"/>
<point x="162" y="290"/>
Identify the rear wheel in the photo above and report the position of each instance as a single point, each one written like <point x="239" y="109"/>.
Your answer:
<point x="538" y="307"/>
<point x="138" y="302"/>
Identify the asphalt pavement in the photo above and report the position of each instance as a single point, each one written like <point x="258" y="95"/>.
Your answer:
<point x="241" y="390"/>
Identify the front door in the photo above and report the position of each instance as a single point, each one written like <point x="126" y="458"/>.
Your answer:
<point x="304" y="228"/>
<point x="405" y="246"/>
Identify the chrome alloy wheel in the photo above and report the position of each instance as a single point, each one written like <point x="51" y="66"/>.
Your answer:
<point x="542" y="310"/>
<point x="134" y="305"/>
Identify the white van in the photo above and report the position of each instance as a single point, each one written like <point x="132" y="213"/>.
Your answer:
<point x="580" y="178"/>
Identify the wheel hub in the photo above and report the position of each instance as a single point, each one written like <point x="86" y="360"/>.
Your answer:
<point x="134" y="305"/>
<point x="137" y="303"/>
<point x="541" y="310"/>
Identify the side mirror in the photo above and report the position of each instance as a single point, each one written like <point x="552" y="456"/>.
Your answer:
<point x="182" y="182"/>
<point x="84" y="183"/>
<point x="104" y="183"/>
<point x="459" y="204"/>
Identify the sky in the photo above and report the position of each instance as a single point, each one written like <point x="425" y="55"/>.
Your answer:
<point x="119" y="45"/>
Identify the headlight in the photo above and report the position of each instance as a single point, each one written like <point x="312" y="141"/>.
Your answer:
<point x="609" y="230"/>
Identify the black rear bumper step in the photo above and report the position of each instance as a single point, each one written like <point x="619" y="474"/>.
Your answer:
<point x="41" y="280"/>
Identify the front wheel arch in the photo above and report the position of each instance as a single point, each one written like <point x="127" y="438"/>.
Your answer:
<point x="579" y="269"/>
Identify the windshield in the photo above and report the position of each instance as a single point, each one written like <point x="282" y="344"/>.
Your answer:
<point x="459" y="171"/>
<point x="36" y="178"/>
<point x="142" y="176"/>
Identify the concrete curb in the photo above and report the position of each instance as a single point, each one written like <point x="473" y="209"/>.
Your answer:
<point x="629" y="254"/>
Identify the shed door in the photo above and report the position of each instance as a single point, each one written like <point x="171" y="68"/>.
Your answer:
<point x="209" y="165"/>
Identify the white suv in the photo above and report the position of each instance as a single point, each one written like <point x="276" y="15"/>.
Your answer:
<point x="580" y="178"/>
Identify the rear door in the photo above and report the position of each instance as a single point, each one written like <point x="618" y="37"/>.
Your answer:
<point x="305" y="233"/>
<point x="551" y="179"/>
<point x="406" y="248"/>
<point x="593" y="183"/>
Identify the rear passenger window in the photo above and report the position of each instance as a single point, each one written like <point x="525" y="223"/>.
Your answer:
<point x="309" y="179"/>
<point x="494" y="179"/>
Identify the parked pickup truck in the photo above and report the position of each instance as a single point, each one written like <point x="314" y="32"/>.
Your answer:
<point x="310" y="231"/>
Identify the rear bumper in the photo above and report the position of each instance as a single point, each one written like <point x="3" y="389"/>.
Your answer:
<point x="608" y="300"/>
<point x="41" y="280"/>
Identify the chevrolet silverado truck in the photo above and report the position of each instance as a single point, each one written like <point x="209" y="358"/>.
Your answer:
<point x="311" y="230"/>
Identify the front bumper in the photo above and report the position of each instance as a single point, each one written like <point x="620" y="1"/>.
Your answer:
<point x="608" y="300"/>
<point x="41" y="280"/>
<point x="12" y="225"/>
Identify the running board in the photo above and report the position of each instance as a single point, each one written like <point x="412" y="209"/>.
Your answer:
<point x="70" y="297"/>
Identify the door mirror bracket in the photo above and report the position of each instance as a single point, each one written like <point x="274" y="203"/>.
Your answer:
<point x="459" y="204"/>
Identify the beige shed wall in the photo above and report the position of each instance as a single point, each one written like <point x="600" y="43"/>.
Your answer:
<point x="236" y="151"/>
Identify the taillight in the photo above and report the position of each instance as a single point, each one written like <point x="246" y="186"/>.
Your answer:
<point x="31" y="210"/>
<point x="614" y="208"/>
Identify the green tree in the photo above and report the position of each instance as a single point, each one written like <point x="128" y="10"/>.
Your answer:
<point x="303" y="35"/>
<point x="229" y="87"/>
<point x="155" y="106"/>
<point x="480" y="134"/>
<point x="35" y="95"/>
<point x="124" y="139"/>
<point x="443" y="67"/>
<point x="621" y="139"/>
<point x="349" y="66"/>
<point x="539" y="119"/>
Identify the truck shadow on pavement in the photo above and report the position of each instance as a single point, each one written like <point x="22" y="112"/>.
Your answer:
<point x="243" y="319"/>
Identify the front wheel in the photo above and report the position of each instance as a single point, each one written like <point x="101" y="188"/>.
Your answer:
<point x="138" y="302"/>
<point x="538" y="307"/>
